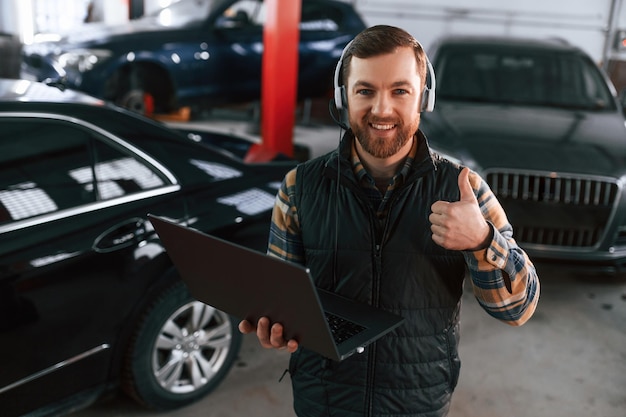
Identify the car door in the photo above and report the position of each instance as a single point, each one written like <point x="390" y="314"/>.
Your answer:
<point x="325" y="29"/>
<point x="237" y="51"/>
<point x="216" y="49"/>
<point x="72" y="207"/>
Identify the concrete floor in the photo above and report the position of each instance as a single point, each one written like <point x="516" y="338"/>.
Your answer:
<point x="569" y="360"/>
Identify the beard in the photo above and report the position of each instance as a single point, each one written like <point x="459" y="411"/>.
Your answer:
<point x="381" y="147"/>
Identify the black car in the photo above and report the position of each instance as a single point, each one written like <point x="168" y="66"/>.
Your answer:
<point x="89" y="300"/>
<point x="543" y="124"/>
<point x="206" y="52"/>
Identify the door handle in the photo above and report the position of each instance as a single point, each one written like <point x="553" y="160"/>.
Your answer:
<point x="122" y="235"/>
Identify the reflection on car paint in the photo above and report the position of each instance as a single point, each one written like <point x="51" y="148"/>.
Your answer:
<point x="47" y="260"/>
<point x="215" y="170"/>
<point x="112" y="175"/>
<point x="26" y="200"/>
<point x="251" y="202"/>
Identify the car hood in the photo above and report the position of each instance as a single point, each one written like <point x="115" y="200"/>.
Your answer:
<point x="487" y="136"/>
<point x="100" y="35"/>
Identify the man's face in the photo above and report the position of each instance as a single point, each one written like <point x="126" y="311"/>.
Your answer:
<point x="384" y="100"/>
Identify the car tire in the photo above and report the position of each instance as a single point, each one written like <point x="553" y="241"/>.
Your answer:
<point x="138" y="101"/>
<point x="143" y="89"/>
<point x="181" y="350"/>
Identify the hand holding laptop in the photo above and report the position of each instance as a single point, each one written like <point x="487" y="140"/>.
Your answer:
<point x="269" y="337"/>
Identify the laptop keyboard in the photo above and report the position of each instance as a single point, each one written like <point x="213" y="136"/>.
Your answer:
<point x="341" y="328"/>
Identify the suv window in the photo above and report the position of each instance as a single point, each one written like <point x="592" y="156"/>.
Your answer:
<point x="49" y="165"/>
<point x="522" y="76"/>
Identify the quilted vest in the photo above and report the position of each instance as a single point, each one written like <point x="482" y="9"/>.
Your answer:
<point x="391" y="263"/>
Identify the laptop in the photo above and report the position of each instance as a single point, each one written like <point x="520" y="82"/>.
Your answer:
<point x="249" y="284"/>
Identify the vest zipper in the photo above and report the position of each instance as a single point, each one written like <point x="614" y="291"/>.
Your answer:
<point x="378" y="245"/>
<point x="371" y="358"/>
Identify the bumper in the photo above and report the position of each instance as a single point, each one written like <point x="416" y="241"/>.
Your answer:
<point x="601" y="262"/>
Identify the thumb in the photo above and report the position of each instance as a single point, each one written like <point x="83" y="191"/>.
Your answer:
<point x="467" y="193"/>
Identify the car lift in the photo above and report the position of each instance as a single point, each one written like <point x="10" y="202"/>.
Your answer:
<point x="281" y="36"/>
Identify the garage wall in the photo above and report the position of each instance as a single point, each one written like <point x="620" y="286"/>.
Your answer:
<point x="7" y="23"/>
<point x="581" y="22"/>
<point x="26" y="18"/>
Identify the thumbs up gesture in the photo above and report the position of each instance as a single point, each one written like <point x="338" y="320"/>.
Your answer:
<point x="460" y="225"/>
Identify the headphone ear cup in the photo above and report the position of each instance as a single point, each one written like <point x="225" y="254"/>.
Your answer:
<point x="344" y="109"/>
<point x="428" y="100"/>
<point x="339" y="97"/>
<point x="341" y="103"/>
<point x="428" y="94"/>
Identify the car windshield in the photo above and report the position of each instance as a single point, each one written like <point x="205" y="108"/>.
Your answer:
<point x="523" y="76"/>
<point x="181" y="13"/>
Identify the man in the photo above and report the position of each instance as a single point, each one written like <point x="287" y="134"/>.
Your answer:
<point x="383" y="220"/>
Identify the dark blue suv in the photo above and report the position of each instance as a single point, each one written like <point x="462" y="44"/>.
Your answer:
<point x="194" y="52"/>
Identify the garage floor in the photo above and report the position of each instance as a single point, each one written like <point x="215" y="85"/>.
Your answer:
<point x="569" y="360"/>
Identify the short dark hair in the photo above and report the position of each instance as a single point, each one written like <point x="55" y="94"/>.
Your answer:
<point x="383" y="39"/>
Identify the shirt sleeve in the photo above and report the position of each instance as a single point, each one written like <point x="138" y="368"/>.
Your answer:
<point x="504" y="279"/>
<point x="285" y="240"/>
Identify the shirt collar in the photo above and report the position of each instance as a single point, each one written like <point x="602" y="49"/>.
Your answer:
<point x="359" y="170"/>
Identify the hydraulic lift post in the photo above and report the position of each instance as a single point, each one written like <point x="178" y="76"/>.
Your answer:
<point x="279" y="79"/>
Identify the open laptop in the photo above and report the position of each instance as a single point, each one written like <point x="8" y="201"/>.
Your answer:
<point x="249" y="285"/>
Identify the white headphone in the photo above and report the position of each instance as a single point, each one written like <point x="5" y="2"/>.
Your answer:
<point x="341" y="99"/>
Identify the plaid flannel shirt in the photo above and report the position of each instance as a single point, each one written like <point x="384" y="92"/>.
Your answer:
<point x="503" y="278"/>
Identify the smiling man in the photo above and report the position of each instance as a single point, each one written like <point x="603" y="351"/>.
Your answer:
<point x="385" y="221"/>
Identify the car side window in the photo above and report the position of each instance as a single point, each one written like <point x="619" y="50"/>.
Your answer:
<point x="50" y="165"/>
<point x="242" y="14"/>
<point x="595" y="87"/>
<point x="117" y="174"/>
<point x="36" y="158"/>
<point x="316" y="17"/>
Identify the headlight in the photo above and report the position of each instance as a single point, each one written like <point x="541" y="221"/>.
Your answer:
<point x="84" y="59"/>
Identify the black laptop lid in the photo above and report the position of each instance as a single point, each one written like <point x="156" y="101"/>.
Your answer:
<point x="249" y="284"/>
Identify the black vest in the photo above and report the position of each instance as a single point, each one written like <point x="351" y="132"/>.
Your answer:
<point x="391" y="263"/>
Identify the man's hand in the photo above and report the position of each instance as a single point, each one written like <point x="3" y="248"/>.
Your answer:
<point x="460" y="225"/>
<point x="269" y="337"/>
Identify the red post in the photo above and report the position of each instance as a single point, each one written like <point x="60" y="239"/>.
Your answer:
<point x="279" y="76"/>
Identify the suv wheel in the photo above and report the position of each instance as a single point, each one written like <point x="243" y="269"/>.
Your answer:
<point x="181" y="350"/>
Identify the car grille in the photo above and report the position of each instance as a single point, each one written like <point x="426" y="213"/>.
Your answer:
<point x="555" y="210"/>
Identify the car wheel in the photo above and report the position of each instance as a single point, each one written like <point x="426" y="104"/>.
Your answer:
<point x="181" y="350"/>
<point x="142" y="88"/>
<point x="138" y="101"/>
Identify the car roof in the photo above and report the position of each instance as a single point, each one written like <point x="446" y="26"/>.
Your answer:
<point x="485" y="41"/>
<point x="31" y="97"/>
<point x="12" y="90"/>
